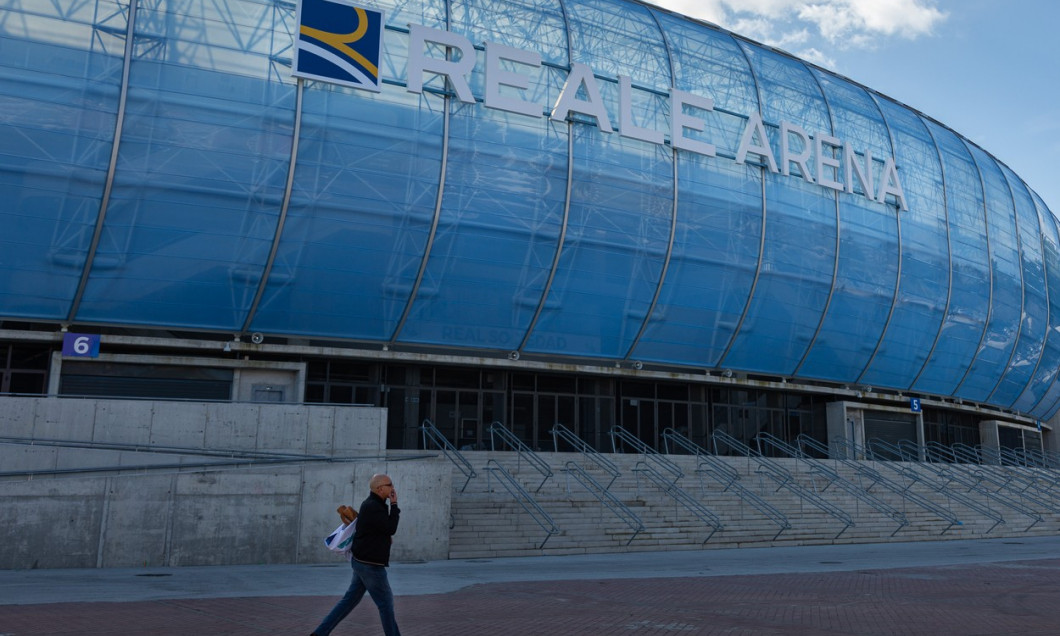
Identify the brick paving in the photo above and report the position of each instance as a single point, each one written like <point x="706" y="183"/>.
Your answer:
<point x="1008" y="598"/>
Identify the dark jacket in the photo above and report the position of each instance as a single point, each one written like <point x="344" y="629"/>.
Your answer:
<point x="375" y="527"/>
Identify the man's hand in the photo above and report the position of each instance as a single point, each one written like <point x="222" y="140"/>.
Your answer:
<point x="393" y="496"/>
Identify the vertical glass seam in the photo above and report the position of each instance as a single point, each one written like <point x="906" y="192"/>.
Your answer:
<point x="949" y="260"/>
<point x="898" y="255"/>
<point x="442" y="172"/>
<point x="838" y="235"/>
<point x="762" y="237"/>
<point x="1048" y="309"/>
<point x="566" y="202"/>
<point x="989" y="269"/>
<point x="1048" y="304"/>
<point x="119" y="123"/>
<point x="1023" y="291"/>
<point x="673" y="210"/>
<point x="1045" y="218"/>
<point x="284" y="206"/>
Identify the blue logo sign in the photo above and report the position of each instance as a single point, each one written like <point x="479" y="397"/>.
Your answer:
<point x="339" y="43"/>
<point x="81" y="345"/>
<point x="914" y="405"/>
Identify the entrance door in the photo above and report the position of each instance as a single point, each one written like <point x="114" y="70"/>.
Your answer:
<point x="458" y="415"/>
<point x="638" y="418"/>
<point x="890" y="427"/>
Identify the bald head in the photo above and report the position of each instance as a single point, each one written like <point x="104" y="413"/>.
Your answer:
<point x="381" y="485"/>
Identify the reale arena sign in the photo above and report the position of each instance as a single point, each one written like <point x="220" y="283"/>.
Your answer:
<point x="817" y="157"/>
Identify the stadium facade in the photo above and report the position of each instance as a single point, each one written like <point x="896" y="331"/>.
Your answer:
<point x="592" y="212"/>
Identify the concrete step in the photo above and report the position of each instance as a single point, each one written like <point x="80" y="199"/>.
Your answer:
<point x="488" y="522"/>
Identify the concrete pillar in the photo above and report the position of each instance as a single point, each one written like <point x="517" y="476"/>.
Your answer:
<point x="846" y="424"/>
<point x="989" y="441"/>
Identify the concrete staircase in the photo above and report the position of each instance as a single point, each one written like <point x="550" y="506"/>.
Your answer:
<point x="488" y="521"/>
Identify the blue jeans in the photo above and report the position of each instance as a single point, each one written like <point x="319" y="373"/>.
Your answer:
<point x="366" y="578"/>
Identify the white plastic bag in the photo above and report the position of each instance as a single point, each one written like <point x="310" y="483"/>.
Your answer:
<point x="341" y="540"/>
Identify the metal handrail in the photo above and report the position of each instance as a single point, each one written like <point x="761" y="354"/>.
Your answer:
<point x="523" y="498"/>
<point x="967" y="456"/>
<point x="1026" y="477"/>
<point x="619" y="434"/>
<point x="990" y="456"/>
<point x="218" y="459"/>
<point x="876" y="477"/>
<point x="783" y="478"/>
<point x="725" y="475"/>
<point x="814" y="467"/>
<point x="151" y="468"/>
<point x="157" y="449"/>
<point x="431" y="431"/>
<point x="508" y="437"/>
<point x="971" y="454"/>
<point x="848" y="486"/>
<point x="1017" y="485"/>
<point x="612" y="503"/>
<point x="1033" y="465"/>
<point x="560" y="431"/>
<point x="679" y="495"/>
<point x="1009" y="457"/>
<point x="973" y="481"/>
<point x="1051" y="459"/>
<point x="912" y="468"/>
<point x="718" y="467"/>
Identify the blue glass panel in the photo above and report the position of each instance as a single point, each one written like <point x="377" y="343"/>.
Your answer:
<point x="60" y="76"/>
<point x="922" y="288"/>
<point x="529" y="25"/>
<point x="709" y="62"/>
<point x="401" y="13"/>
<point x="1035" y="301"/>
<point x="966" y="313"/>
<point x="202" y="168"/>
<point x="867" y="269"/>
<point x="500" y="222"/>
<point x="719" y="211"/>
<point x="360" y="214"/>
<point x="614" y="247"/>
<point x="798" y="259"/>
<point x="621" y="201"/>
<point x="713" y="264"/>
<point x="1045" y="374"/>
<point x="1006" y="297"/>
<point x="1050" y="404"/>
<point x="618" y="39"/>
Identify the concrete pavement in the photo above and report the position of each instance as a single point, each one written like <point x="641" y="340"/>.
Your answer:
<point x="983" y="586"/>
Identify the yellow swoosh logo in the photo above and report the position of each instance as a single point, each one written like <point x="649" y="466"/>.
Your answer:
<point x="341" y="41"/>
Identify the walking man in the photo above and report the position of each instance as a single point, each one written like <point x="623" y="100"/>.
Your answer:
<point x="376" y="524"/>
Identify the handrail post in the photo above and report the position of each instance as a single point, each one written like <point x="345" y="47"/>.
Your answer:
<point x="429" y="430"/>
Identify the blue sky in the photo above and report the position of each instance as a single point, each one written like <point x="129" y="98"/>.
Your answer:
<point x="988" y="69"/>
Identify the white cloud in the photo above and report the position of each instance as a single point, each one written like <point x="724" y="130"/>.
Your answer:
<point x="818" y="57"/>
<point x="839" y="19"/>
<point x="805" y="26"/>
<point x="709" y="10"/>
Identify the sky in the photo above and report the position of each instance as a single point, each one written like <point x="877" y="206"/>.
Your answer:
<point x="988" y="69"/>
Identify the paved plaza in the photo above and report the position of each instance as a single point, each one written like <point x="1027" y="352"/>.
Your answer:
<point x="986" y="586"/>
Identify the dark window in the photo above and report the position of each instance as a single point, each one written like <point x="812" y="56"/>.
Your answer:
<point x="108" y="379"/>
<point x="24" y="368"/>
<point x="341" y="382"/>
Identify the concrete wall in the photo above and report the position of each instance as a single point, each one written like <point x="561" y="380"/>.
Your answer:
<point x="330" y="430"/>
<point x="202" y="515"/>
<point x="289" y="382"/>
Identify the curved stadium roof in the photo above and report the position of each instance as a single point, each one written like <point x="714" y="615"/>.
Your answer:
<point x="183" y="179"/>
